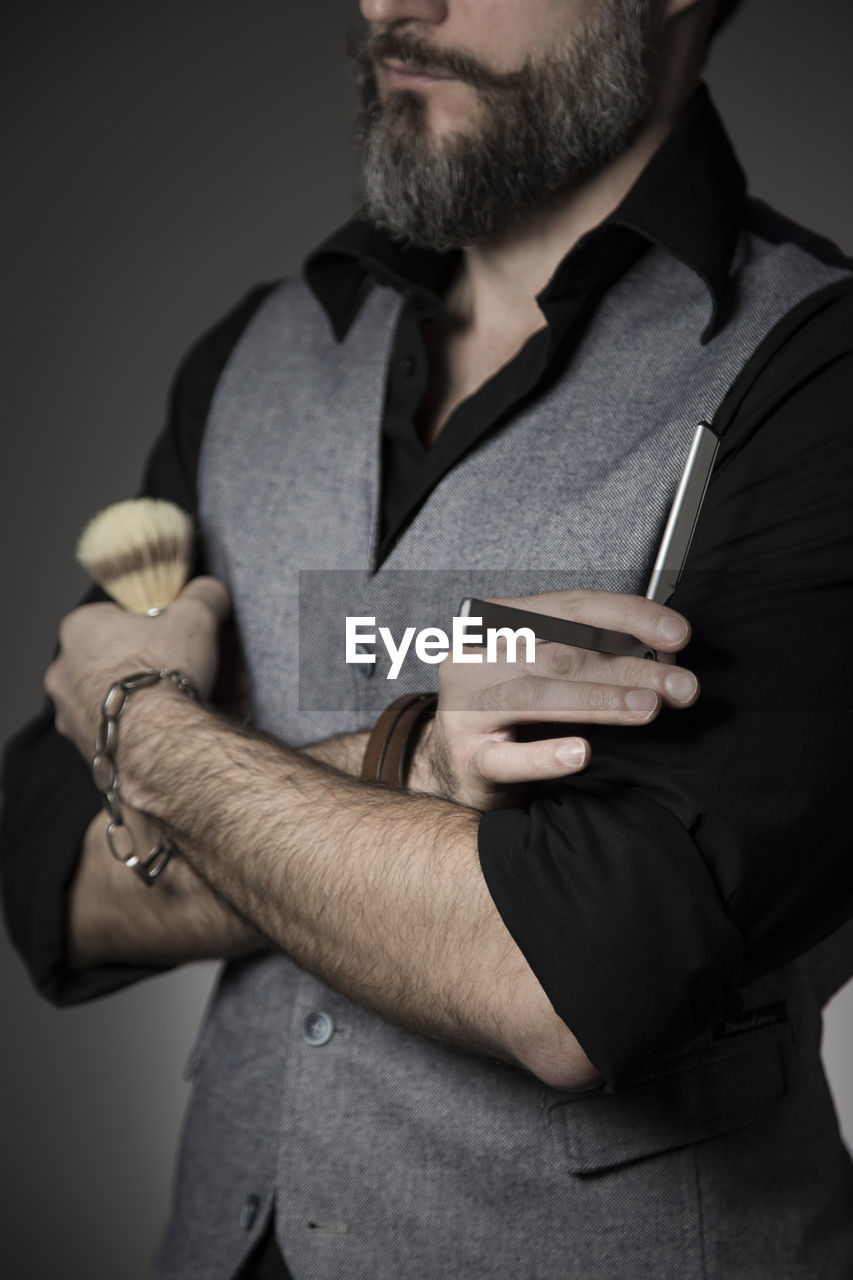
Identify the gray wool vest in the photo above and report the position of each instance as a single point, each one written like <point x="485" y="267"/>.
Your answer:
<point x="386" y="1154"/>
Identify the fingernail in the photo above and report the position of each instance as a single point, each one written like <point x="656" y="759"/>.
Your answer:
<point x="673" y="629"/>
<point x="642" y="702"/>
<point x="571" y="754"/>
<point x="681" y="686"/>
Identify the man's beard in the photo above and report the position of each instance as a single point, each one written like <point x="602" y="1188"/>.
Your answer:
<point x="542" y="129"/>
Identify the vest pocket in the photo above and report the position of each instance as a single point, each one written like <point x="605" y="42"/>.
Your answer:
<point x="732" y="1081"/>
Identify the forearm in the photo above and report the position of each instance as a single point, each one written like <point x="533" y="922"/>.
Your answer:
<point x="113" y="918"/>
<point x="379" y="893"/>
<point x="345" y="752"/>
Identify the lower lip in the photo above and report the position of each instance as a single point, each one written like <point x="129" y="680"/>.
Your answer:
<point x="399" y="79"/>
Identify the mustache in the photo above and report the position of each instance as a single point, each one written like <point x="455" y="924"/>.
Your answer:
<point x="368" y="48"/>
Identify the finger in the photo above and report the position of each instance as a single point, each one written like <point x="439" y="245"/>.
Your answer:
<point x="674" y="685"/>
<point x="80" y="620"/>
<point x="653" y="624"/>
<point x="530" y="698"/>
<point x="210" y="592"/>
<point x="507" y="762"/>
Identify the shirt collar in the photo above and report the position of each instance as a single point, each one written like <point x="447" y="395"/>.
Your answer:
<point x="689" y="201"/>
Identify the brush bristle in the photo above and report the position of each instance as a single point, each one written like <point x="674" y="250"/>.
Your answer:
<point x="139" y="551"/>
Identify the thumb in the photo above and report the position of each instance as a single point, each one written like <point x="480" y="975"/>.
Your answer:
<point x="210" y="592"/>
<point x="504" y="762"/>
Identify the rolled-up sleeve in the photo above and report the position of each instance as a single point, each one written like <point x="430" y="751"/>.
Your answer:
<point x="714" y="845"/>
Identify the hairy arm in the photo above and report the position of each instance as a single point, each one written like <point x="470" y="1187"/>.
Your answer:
<point x="113" y="918"/>
<point x="377" y="892"/>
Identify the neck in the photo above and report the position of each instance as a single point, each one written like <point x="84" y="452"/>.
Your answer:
<point x="502" y="277"/>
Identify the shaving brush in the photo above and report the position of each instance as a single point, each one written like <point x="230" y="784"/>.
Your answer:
<point x="140" y="552"/>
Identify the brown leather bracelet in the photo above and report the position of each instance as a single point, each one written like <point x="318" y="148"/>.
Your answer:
<point x="388" y="753"/>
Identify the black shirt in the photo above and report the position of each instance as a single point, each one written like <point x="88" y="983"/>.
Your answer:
<point x="730" y="809"/>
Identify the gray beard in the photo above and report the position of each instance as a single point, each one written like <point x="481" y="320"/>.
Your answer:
<point x="556" y="121"/>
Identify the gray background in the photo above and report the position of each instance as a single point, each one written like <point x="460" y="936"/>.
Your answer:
<point x="163" y="157"/>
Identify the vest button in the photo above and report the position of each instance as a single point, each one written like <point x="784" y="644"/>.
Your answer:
<point x="318" y="1028"/>
<point x="249" y="1212"/>
<point x="364" y="668"/>
<point x="407" y="366"/>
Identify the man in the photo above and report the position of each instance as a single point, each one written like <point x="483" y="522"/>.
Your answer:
<point x="403" y="1074"/>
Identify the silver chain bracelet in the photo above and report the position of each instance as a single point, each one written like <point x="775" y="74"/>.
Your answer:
<point x="105" y="772"/>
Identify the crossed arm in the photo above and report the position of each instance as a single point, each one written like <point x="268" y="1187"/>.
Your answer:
<point x="377" y="892"/>
<point x="115" y="918"/>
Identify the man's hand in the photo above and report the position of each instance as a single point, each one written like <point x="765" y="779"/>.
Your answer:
<point x="101" y="643"/>
<point x="472" y="752"/>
